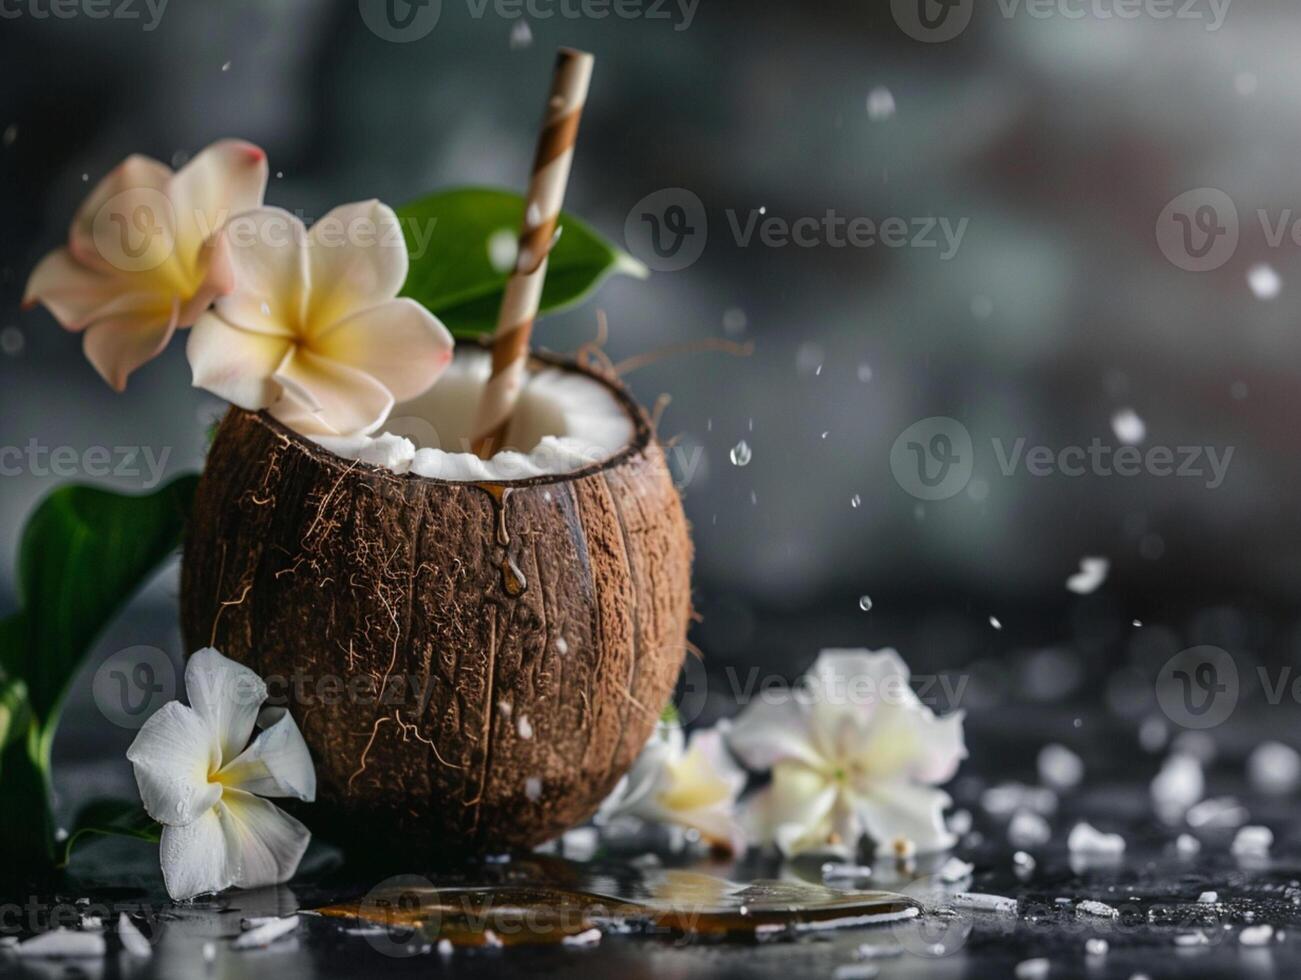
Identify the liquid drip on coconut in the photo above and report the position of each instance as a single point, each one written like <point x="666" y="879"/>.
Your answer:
<point x="513" y="581"/>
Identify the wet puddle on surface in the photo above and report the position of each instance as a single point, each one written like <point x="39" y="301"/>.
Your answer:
<point x="533" y="902"/>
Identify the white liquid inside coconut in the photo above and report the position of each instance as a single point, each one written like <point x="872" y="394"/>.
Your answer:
<point x="564" y="421"/>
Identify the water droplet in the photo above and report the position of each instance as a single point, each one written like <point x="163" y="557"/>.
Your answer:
<point x="1264" y="281"/>
<point x="524" y="727"/>
<point x="266" y="309"/>
<point x="865" y="603"/>
<point x="11" y="134"/>
<point x="280" y="175"/>
<point x="880" y="104"/>
<point x="562" y="645"/>
<point x="533" y="789"/>
<point x="865" y="372"/>
<point x="740" y="454"/>
<point x="503" y="248"/>
<point x="1128" y="427"/>
<point x="85" y="178"/>
<point x="734" y="322"/>
<point x="809" y="358"/>
<point x="994" y="622"/>
<point x="521" y="35"/>
<point x="856" y="501"/>
<point x="226" y="66"/>
<point x="12" y="341"/>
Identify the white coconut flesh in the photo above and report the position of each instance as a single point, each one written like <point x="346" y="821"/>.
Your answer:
<point x="564" y="421"/>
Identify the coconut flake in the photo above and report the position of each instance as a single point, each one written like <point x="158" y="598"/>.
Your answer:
<point x="1060" y="768"/>
<point x="132" y="939"/>
<point x="1274" y="768"/>
<point x="590" y="937"/>
<point x="1256" y="935"/>
<point x="1035" y="969"/>
<point x="1085" y="839"/>
<point x="63" y="944"/>
<point x="567" y="419"/>
<point x="1028" y="829"/>
<point x="955" y="870"/>
<point x="1097" y="909"/>
<point x="1253" y="842"/>
<point x="266" y="934"/>
<point x="976" y="902"/>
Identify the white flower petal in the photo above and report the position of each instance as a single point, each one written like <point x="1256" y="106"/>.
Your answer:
<point x="227" y="695"/>
<point x="264" y="844"/>
<point x="118" y="345"/>
<point x="278" y="762"/>
<point x="322" y="397"/>
<point x="224" y="179"/>
<point x="235" y="364"/>
<point x="268" y="256"/>
<point x="798" y="809"/>
<point x="399" y="343"/>
<point x="195" y="858"/>
<point x="358" y="259"/>
<point x="172" y="755"/>
<point x="904" y="811"/>
<point x="771" y="729"/>
<point x="134" y="174"/>
<point x="78" y="295"/>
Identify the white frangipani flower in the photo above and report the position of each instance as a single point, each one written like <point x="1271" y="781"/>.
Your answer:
<point x="853" y="752"/>
<point x="692" y="784"/>
<point x="201" y="778"/>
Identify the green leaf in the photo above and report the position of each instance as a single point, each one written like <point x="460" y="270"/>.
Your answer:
<point x="84" y="553"/>
<point x="15" y="713"/>
<point x="109" y="818"/>
<point x="452" y="275"/>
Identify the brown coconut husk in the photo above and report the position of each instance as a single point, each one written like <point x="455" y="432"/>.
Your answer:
<point x="473" y="666"/>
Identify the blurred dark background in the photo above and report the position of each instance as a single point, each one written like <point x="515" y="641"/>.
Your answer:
<point x="1059" y="140"/>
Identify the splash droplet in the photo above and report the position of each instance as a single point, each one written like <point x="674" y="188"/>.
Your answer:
<point x="1264" y="281"/>
<point x="865" y="603"/>
<point x="1128" y="427"/>
<point x="994" y="622"/>
<point x="880" y="104"/>
<point x="740" y="454"/>
<point x="856" y="501"/>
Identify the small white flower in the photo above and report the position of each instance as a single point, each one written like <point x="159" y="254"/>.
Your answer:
<point x="691" y="784"/>
<point x="853" y="752"/>
<point x="199" y="777"/>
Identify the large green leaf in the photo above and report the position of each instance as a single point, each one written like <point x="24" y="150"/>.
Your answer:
<point x="84" y="552"/>
<point x="452" y="273"/>
<point x="109" y="818"/>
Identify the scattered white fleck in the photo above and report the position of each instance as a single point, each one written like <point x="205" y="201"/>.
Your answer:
<point x="562" y="645"/>
<point x="994" y="622"/>
<point x="1187" y="845"/>
<point x="855" y="971"/>
<point x="521" y="35"/>
<point x="955" y="870"/>
<point x="63" y="944"/>
<point x="856" y="501"/>
<point x="591" y="937"/>
<point x="1177" y="787"/>
<point x="1191" y="939"/>
<point x="85" y="178"/>
<point x="1096" y="947"/>
<point x="865" y="603"/>
<point x="445" y="947"/>
<point x="808" y="358"/>
<point x="763" y="209"/>
<point x="865" y="372"/>
<point x="226" y="66"/>
<point x="132" y="939"/>
<point x="280" y="175"/>
<point x="1097" y="909"/>
<point x="1219" y="811"/>
<point x="1092" y="573"/>
<point x="253" y="921"/>
<point x="734" y="321"/>
<point x="1153" y="734"/>
<point x="1060" y="768"/>
<point x="1085" y="839"/>
<point x="1256" y="935"/>
<point x="11" y="134"/>
<point x="985" y="903"/>
<point x="1137" y="624"/>
<point x="579" y="843"/>
<point x="871" y="951"/>
<point x="505" y="708"/>
<point x="533" y="789"/>
<point x="209" y="952"/>
<point x="1264" y="281"/>
<point x="503" y="248"/>
<point x="1274" y="768"/>
<point x="524" y="727"/>
<point x="1128" y="427"/>
<point x="1208" y="898"/>
<point x="840" y="871"/>
<point x="266" y="934"/>
<point x="741" y="454"/>
<point x="1028" y="829"/>
<point x="960" y="822"/>
<point x="1252" y="842"/>
<point x="1023" y="865"/>
<point x="1006" y="798"/>
<point x="880" y="104"/>
<point x="1035" y="969"/>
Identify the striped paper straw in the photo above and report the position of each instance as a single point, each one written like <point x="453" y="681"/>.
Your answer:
<point x="546" y="194"/>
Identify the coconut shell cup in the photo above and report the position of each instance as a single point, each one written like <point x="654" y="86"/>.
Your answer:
<point x="473" y="666"/>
